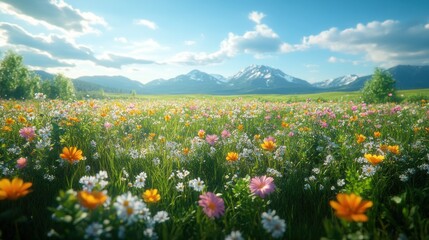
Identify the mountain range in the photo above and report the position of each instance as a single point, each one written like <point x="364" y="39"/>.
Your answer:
<point x="255" y="79"/>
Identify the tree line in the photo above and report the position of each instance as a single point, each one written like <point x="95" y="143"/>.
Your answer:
<point x="18" y="82"/>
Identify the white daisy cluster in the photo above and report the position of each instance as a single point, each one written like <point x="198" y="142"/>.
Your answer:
<point x="234" y="235"/>
<point x="273" y="224"/>
<point x="98" y="181"/>
<point x="196" y="184"/>
<point x="130" y="208"/>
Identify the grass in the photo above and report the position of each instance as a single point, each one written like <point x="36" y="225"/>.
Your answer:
<point x="316" y="156"/>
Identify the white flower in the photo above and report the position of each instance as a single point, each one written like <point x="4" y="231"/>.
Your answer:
<point x="94" y="231"/>
<point x="140" y="180"/>
<point x="197" y="184"/>
<point x="161" y="217"/>
<point x="234" y="235"/>
<point x="341" y="182"/>
<point x="129" y="208"/>
<point x="180" y="187"/>
<point x="273" y="224"/>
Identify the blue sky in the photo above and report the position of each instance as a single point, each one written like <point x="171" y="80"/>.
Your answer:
<point x="144" y="40"/>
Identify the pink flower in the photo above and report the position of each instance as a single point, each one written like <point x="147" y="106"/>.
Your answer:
<point x="290" y="134"/>
<point x="270" y="138"/>
<point x="212" y="139"/>
<point x="108" y="125"/>
<point x="225" y="134"/>
<point x="28" y="133"/>
<point x="21" y="163"/>
<point x="213" y="206"/>
<point x="262" y="186"/>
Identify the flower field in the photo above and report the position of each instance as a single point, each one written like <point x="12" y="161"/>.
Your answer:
<point x="207" y="168"/>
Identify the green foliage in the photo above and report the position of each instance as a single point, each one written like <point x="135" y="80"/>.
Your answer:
<point x="380" y="88"/>
<point x="62" y="88"/>
<point x="16" y="81"/>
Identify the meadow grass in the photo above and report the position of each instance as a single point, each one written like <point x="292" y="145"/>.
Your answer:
<point x="319" y="146"/>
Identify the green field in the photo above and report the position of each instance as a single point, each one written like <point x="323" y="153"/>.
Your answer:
<point x="279" y="167"/>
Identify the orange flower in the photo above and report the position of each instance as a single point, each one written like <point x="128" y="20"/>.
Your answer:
<point x="91" y="200"/>
<point x="9" y="121"/>
<point x="268" y="145"/>
<point x="232" y="157"/>
<point x="185" y="151"/>
<point x="394" y="149"/>
<point x="13" y="189"/>
<point x="151" y="196"/>
<point x="6" y="129"/>
<point x="360" y="138"/>
<point x="383" y="147"/>
<point x="377" y="134"/>
<point x="240" y="127"/>
<point x="350" y="207"/>
<point x="374" y="159"/>
<point x="71" y="154"/>
<point x="201" y="133"/>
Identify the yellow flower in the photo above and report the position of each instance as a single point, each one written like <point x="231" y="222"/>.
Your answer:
<point x="257" y="137"/>
<point x="167" y="118"/>
<point x="6" y="129"/>
<point x="268" y="145"/>
<point x="377" y="134"/>
<point x="285" y="124"/>
<point x="383" y="147"/>
<point x="374" y="159"/>
<point x="360" y="138"/>
<point x="9" y="121"/>
<point x="22" y="119"/>
<point x="351" y="207"/>
<point x="91" y="200"/>
<point x="71" y="154"/>
<point x="14" y="189"/>
<point x="151" y="196"/>
<point x="232" y="157"/>
<point x="240" y="127"/>
<point x="394" y="149"/>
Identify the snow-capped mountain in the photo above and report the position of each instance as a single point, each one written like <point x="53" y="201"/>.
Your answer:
<point x="260" y="79"/>
<point x="337" y="82"/>
<point x="193" y="82"/>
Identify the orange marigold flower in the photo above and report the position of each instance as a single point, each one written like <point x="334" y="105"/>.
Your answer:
<point x="360" y="138"/>
<point x="350" y="207"/>
<point x="6" y="129"/>
<point x="151" y="196"/>
<point x="394" y="149"/>
<point x="71" y="154"/>
<point x="232" y="157"/>
<point x="240" y="127"/>
<point x="374" y="159"/>
<point x="14" y="189"/>
<point x="91" y="200"/>
<point x="201" y="133"/>
<point x="268" y="145"/>
<point x="9" y="121"/>
<point x="377" y="134"/>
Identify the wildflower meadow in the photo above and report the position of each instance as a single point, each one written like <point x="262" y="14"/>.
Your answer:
<point x="213" y="168"/>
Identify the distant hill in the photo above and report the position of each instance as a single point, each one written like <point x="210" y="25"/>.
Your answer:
<point x="44" y="75"/>
<point x="254" y="79"/>
<point x="117" y="84"/>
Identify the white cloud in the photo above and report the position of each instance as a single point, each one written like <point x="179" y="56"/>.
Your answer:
<point x="427" y="26"/>
<point x="146" y="23"/>
<point x="190" y="43"/>
<point x="388" y="43"/>
<point x="256" y="17"/>
<point x="60" y="48"/>
<point x="53" y="14"/>
<point x="120" y="40"/>
<point x="261" y="42"/>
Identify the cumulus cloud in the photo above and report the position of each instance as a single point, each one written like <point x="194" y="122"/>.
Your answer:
<point x="60" y="48"/>
<point x="146" y="23"/>
<point x="52" y="13"/>
<point x="389" y="42"/>
<point x="190" y="43"/>
<point x="261" y="41"/>
<point x="256" y="17"/>
<point x="36" y="59"/>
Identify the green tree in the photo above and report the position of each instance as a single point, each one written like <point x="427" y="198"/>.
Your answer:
<point x="16" y="81"/>
<point x="380" y="88"/>
<point x="61" y="87"/>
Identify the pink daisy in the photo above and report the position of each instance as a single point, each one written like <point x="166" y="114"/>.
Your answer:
<point x="28" y="133"/>
<point x="213" y="206"/>
<point x="225" y="134"/>
<point x="212" y="139"/>
<point x="262" y="186"/>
